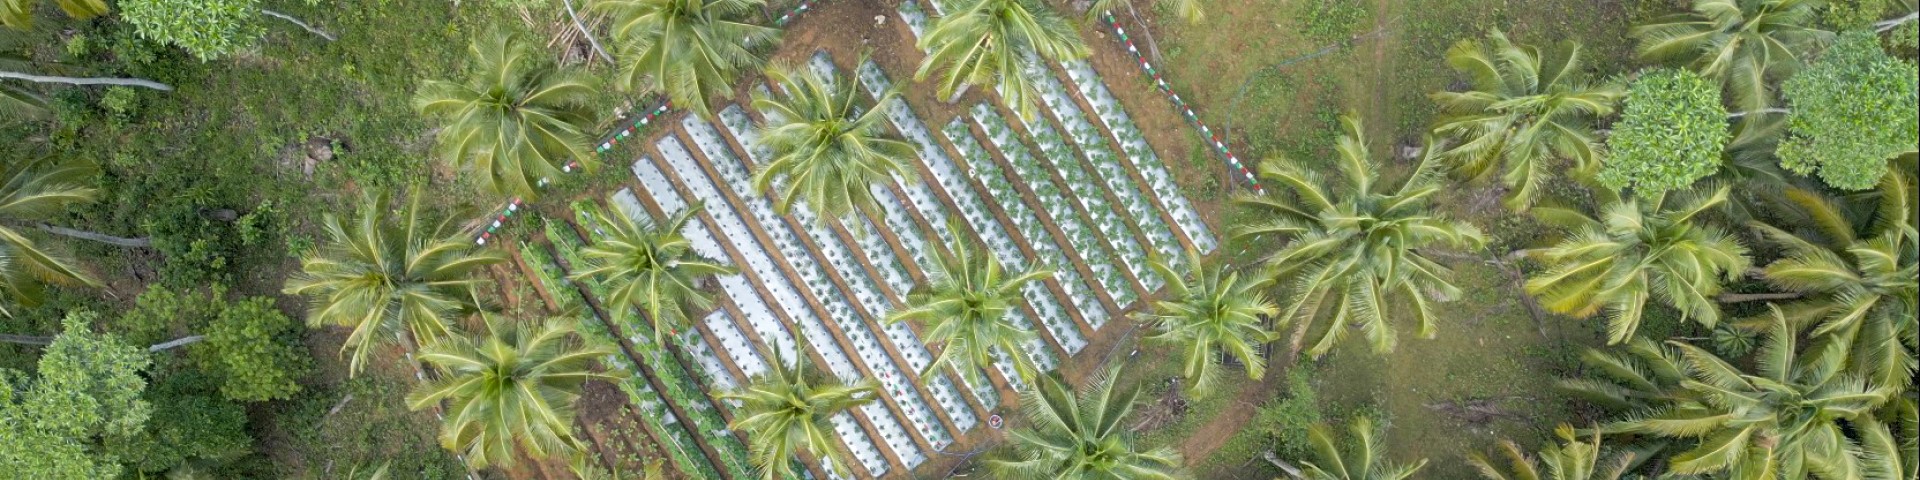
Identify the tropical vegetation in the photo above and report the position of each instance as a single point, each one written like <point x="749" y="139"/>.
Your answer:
<point x="787" y="410"/>
<point x="828" y="148"/>
<point x="990" y="43"/>
<point x="33" y="190"/>
<point x="1743" y="44"/>
<point x="688" y="50"/>
<point x="400" y="278"/>
<point x="511" y="390"/>
<point x="1210" y="313"/>
<point x="1353" y="242"/>
<point x="1359" y="458"/>
<point x="1638" y="251"/>
<point x="1082" y="434"/>
<point x="651" y="268"/>
<point x="516" y="119"/>
<point x="970" y="308"/>
<point x="1526" y="111"/>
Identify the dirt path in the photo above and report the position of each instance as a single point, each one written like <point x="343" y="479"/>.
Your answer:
<point x="1196" y="448"/>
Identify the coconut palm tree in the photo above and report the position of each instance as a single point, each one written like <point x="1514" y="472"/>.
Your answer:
<point x="991" y="43"/>
<point x="1572" y="459"/>
<point x="1356" y="242"/>
<point x="688" y="49"/>
<point x="1786" y="419"/>
<point x="1636" y="376"/>
<point x="1082" y="436"/>
<point x="1861" y="284"/>
<point x="966" y="307"/>
<point x="516" y="119"/>
<point x="650" y="267"/>
<point x="400" y="279"/>
<point x="1209" y="311"/>
<point x="1745" y="44"/>
<point x="32" y="190"/>
<point x="827" y="147"/>
<point x="1526" y="110"/>
<point x="1362" y="460"/>
<point x="1638" y="250"/>
<point x="514" y="386"/>
<point x="789" y="409"/>
<point x="18" y="14"/>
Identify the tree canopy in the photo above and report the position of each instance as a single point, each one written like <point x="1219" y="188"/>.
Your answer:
<point x="1852" y="110"/>
<point x="208" y="29"/>
<point x="1672" y="132"/>
<point x="89" y="385"/>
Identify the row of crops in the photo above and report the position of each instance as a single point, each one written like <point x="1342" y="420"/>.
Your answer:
<point x="1086" y="199"/>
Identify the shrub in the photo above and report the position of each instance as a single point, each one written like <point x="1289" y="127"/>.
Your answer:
<point x="1671" y="133"/>
<point x="1851" y="111"/>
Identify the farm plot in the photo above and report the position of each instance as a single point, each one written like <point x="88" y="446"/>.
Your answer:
<point x="1074" y="189"/>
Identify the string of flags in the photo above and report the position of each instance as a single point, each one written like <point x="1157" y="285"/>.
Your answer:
<point x="1219" y="145"/>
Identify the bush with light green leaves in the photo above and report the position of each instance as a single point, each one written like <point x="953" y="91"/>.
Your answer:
<point x="1851" y="111"/>
<point x="1670" y="134"/>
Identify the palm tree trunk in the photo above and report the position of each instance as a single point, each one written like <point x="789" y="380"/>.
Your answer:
<point x="25" y="339"/>
<point x="1895" y="23"/>
<point x="137" y="242"/>
<point x="296" y="21"/>
<point x="130" y="82"/>
<point x="33" y="340"/>
<point x="1762" y="111"/>
<point x="589" y="34"/>
<point x="1754" y="297"/>
<point x="180" y="342"/>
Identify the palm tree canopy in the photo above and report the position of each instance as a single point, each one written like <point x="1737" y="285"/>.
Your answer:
<point x="991" y="43"/>
<point x="32" y="190"/>
<point x="18" y="14"/>
<point x="400" y="279"/>
<point x="1741" y="43"/>
<point x="688" y="49"/>
<point x="1364" y="459"/>
<point x="518" y="382"/>
<point x="1526" y="109"/>
<point x="1571" y="459"/>
<point x="828" y="149"/>
<point x="1356" y="242"/>
<point x="1082" y="436"/>
<point x="516" y="119"/>
<point x="1860" y="274"/>
<point x="789" y="409"/>
<point x="1782" y="420"/>
<point x="1209" y="311"/>
<point x="650" y="267"/>
<point x="1639" y="251"/>
<point x="967" y="307"/>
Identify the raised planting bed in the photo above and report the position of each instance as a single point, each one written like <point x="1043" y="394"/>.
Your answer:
<point x="856" y="317"/>
<point x="1139" y="153"/>
<point x="760" y="316"/>
<point x="1097" y="151"/>
<point x="729" y="220"/>
<point x="1058" y="155"/>
<point x="681" y="384"/>
<point x="877" y="252"/>
<point x="681" y="447"/>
